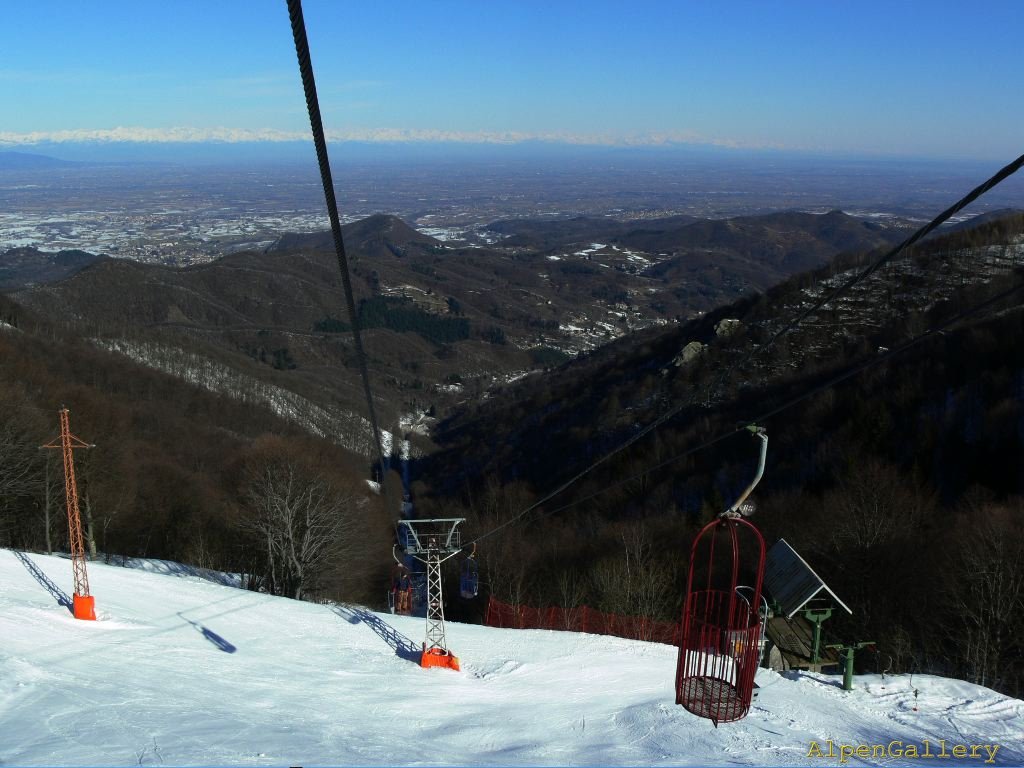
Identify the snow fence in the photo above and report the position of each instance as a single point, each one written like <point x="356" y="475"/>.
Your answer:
<point x="580" y="619"/>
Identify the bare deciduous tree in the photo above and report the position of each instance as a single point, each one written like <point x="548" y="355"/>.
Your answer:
<point x="20" y="459"/>
<point x="874" y="511"/>
<point x="509" y="572"/>
<point x="637" y="584"/>
<point x="52" y="493"/>
<point x="21" y="462"/>
<point x="572" y="592"/>
<point x="874" y="504"/>
<point x="305" y="526"/>
<point x="986" y="594"/>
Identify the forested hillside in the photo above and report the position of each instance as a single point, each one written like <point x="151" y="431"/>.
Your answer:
<point x="177" y="471"/>
<point x="903" y="485"/>
<point x="443" y="321"/>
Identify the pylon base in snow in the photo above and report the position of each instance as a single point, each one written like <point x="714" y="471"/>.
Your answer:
<point x="84" y="607"/>
<point x="435" y="657"/>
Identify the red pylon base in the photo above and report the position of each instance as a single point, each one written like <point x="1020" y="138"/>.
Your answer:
<point x="438" y="658"/>
<point x="85" y="607"/>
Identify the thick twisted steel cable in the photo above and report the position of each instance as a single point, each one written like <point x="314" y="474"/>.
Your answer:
<point x="320" y="142"/>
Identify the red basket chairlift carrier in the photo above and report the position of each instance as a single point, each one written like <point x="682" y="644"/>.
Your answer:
<point x="720" y="645"/>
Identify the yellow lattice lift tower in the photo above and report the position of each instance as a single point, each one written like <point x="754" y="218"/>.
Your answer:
<point x="84" y="606"/>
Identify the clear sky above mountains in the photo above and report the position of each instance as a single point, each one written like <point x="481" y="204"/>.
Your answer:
<point x="934" y="79"/>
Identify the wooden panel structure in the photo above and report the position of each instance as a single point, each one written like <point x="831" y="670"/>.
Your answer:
<point x="793" y="640"/>
<point x="791" y="582"/>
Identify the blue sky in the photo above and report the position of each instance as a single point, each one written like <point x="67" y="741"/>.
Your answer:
<point x="921" y="79"/>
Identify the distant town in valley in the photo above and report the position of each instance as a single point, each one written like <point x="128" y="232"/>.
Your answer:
<point x="178" y="214"/>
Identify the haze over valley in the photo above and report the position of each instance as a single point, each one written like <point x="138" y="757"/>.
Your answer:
<point x="593" y="287"/>
<point x="189" y="212"/>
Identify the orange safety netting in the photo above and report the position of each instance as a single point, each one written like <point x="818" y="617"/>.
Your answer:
<point x="581" y="619"/>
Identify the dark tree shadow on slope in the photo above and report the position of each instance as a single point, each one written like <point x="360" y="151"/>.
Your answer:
<point x="44" y="581"/>
<point x="404" y="647"/>
<point x="171" y="568"/>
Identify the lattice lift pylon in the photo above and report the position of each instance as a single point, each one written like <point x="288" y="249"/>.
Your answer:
<point x="84" y="606"/>
<point x="432" y="542"/>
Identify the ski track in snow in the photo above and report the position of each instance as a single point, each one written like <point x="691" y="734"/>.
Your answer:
<point x="182" y="670"/>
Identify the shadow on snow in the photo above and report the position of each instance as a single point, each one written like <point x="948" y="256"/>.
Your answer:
<point x="218" y="642"/>
<point x="44" y="581"/>
<point x="403" y="646"/>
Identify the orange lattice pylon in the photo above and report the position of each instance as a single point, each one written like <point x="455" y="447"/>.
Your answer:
<point x="84" y="605"/>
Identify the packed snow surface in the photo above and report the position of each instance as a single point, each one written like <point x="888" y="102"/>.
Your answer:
<point x="184" y="669"/>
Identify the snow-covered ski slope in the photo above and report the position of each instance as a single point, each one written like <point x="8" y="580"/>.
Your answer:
<point x="180" y="670"/>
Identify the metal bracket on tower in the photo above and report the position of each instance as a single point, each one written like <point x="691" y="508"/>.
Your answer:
<point x="737" y="509"/>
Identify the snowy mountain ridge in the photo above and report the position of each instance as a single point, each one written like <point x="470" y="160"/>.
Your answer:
<point x="183" y="671"/>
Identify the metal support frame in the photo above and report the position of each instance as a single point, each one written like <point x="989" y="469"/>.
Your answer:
<point x="435" y="635"/>
<point x="83" y="603"/>
<point x="846" y="653"/>
<point x="443" y="532"/>
<point x="433" y="542"/>
<point x="817" y="618"/>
